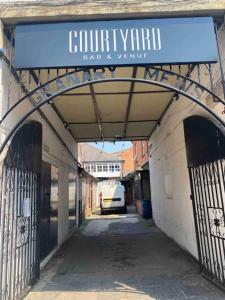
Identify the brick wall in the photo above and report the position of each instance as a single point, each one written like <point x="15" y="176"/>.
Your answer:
<point x="128" y="160"/>
<point x="140" y="149"/>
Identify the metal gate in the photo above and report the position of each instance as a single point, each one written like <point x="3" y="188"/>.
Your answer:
<point x="207" y="177"/>
<point x="19" y="219"/>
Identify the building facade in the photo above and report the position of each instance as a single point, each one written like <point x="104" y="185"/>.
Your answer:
<point x="99" y="163"/>
<point x="46" y="111"/>
<point x="141" y="154"/>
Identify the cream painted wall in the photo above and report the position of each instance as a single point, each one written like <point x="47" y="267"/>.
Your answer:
<point x="53" y="150"/>
<point x="170" y="186"/>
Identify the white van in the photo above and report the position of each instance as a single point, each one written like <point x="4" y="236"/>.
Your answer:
<point x="112" y="197"/>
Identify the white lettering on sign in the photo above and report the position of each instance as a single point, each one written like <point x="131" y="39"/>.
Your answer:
<point x="106" y="40"/>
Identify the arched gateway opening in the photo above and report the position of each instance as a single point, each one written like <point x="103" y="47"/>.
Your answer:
<point x="110" y="102"/>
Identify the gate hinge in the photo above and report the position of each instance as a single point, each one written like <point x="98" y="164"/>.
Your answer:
<point x="191" y="197"/>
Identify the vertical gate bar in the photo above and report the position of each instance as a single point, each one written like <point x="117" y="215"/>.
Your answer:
<point x="29" y="228"/>
<point x="197" y="217"/>
<point x="4" y="236"/>
<point x="12" y="235"/>
<point x="16" y="265"/>
<point x="217" y="197"/>
<point x="214" y="238"/>
<point x="213" y="204"/>
<point x="21" y="246"/>
<point x="223" y="211"/>
<point x="27" y="243"/>
<point x="207" y="229"/>
<point x="223" y="178"/>
<point x="7" y="228"/>
<point x="209" y="204"/>
<point x="32" y="236"/>
<point x="18" y="248"/>
<point x="25" y="238"/>
<point x="32" y="233"/>
<point x="13" y="270"/>
<point x="37" y="202"/>
<point x="24" y="246"/>
<point x="4" y="233"/>
<point x="10" y="250"/>
<point x="3" y="203"/>
<point x="190" y="170"/>
<point x="201" y="217"/>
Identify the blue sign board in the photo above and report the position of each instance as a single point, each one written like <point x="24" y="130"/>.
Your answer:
<point x="118" y="42"/>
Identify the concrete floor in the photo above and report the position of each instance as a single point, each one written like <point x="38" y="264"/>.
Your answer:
<point x="122" y="258"/>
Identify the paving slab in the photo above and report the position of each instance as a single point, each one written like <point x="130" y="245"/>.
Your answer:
<point x="122" y="257"/>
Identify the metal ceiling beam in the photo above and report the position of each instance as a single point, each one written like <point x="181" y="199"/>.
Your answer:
<point x="97" y="112"/>
<point x="129" y="102"/>
<point x="112" y="122"/>
<point x="112" y="139"/>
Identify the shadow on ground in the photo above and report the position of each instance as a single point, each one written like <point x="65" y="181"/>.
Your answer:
<point x="122" y="259"/>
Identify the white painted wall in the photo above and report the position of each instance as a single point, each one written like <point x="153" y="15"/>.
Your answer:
<point x="53" y="150"/>
<point x="170" y="186"/>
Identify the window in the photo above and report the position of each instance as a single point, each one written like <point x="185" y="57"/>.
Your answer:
<point x="105" y="168"/>
<point x="117" y="167"/>
<point x="99" y="168"/>
<point x="135" y="148"/>
<point x="143" y="148"/>
<point x="93" y="168"/>
<point x="87" y="167"/>
<point x="111" y="168"/>
<point x="135" y="151"/>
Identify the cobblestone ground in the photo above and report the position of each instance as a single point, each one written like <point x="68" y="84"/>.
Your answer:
<point x="122" y="258"/>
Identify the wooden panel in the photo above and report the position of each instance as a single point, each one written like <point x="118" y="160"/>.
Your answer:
<point x="45" y="9"/>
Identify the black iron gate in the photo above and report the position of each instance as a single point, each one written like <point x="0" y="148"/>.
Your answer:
<point x="206" y="160"/>
<point x="19" y="213"/>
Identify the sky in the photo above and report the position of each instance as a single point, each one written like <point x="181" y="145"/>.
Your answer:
<point x="112" y="147"/>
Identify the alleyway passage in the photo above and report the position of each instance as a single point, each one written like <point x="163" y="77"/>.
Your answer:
<point x="121" y="257"/>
